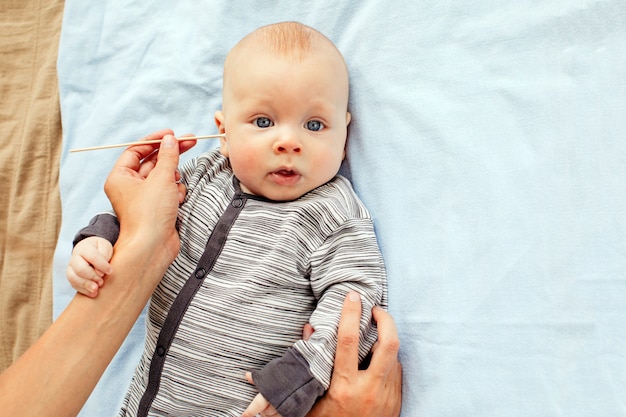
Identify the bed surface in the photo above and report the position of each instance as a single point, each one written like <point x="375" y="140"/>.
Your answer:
<point x="488" y="141"/>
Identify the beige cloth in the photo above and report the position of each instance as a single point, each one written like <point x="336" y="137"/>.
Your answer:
<point x="30" y="207"/>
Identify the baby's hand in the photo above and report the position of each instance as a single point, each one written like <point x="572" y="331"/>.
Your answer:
<point x="88" y="265"/>
<point x="259" y="405"/>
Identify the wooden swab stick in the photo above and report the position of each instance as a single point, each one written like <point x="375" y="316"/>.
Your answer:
<point x="145" y="142"/>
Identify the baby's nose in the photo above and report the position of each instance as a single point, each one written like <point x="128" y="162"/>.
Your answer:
<point x="287" y="144"/>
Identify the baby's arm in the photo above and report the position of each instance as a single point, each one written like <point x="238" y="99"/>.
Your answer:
<point x="93" y="248"/>
<point x="259" y="404"/>
<point x="88" y="265"/>
<point x="349" y="260"/>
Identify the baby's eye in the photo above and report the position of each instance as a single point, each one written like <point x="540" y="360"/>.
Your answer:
<point x="263" y="122"/>
<point x="314" y="125"/>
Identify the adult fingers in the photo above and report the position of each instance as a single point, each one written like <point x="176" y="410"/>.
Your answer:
<point x="392" y="393"/>
<point x="396" y="389"/>
<point x="144" y="159"/>
<point x="347" y="355"/>
<point x="131" y="158"/>
<point x="385" y="355"/>
<point x="387" y="331"/>
<point x="149" y="162"/>
<point x="168" y="157"/>
<point x="384" y="365"/>
<point x="185" y="145"/>
<point x="182" y="192"/>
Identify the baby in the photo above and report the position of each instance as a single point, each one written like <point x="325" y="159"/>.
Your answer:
<point x="271" y="238"/>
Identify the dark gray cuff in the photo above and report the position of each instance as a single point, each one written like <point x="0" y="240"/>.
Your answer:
<point x="288" y="385"/>
<point x="104" y="225"/>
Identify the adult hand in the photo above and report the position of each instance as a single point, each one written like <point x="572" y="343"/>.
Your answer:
<point x="65" y="364"/>
<point x="375" y="391"/>
<point x="137" y="184"/>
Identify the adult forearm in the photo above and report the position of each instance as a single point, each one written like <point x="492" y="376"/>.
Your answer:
<point x="58" y="373"/>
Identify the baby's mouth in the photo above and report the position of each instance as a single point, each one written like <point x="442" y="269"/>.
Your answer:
<point x="286" y="172"/>
<point x="285" y="176"/>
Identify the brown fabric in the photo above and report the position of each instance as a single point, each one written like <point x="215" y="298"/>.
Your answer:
<point x="30" y="207"/>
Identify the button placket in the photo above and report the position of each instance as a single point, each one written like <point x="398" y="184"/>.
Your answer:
<point x="177" y="310"/>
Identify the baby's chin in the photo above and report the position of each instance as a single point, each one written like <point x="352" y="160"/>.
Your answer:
<point x="280" y="193"/>
<point x="285" y="195"/>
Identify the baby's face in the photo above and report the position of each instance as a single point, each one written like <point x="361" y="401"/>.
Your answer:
<point x="285" y="122"/>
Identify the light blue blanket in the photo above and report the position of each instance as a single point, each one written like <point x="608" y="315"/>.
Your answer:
<point x="488" y="140"/>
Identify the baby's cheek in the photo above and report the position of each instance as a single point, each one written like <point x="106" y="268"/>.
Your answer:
<point x="250" y="164"/>
<point x="247" y="168"/>
<point x="328" y="166"/>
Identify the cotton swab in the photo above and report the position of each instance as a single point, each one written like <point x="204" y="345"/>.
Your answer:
<point x="145" y="142"/>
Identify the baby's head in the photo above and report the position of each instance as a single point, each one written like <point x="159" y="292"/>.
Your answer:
<point x="285" y="110"/>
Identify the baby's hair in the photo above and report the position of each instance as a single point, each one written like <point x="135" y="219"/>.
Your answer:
<point x="291" y="40"/>
<point x="287" y="39"/>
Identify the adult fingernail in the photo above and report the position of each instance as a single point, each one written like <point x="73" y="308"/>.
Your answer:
<point x="354" y="296"/>
<point x="169" y="141"/>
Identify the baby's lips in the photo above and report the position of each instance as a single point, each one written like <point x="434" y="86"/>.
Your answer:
<point x="285" y="172"/>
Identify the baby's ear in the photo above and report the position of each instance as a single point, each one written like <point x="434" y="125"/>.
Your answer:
<point x="348" y="120"/>
<point x="221" y="129"/>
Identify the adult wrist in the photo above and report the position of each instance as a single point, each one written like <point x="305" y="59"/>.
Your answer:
<point x="145" y="257"/>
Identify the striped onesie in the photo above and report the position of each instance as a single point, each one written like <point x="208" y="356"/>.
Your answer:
<point x="250" y="273"/>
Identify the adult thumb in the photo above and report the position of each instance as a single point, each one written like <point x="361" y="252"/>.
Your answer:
<point x="169" y="154"/>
